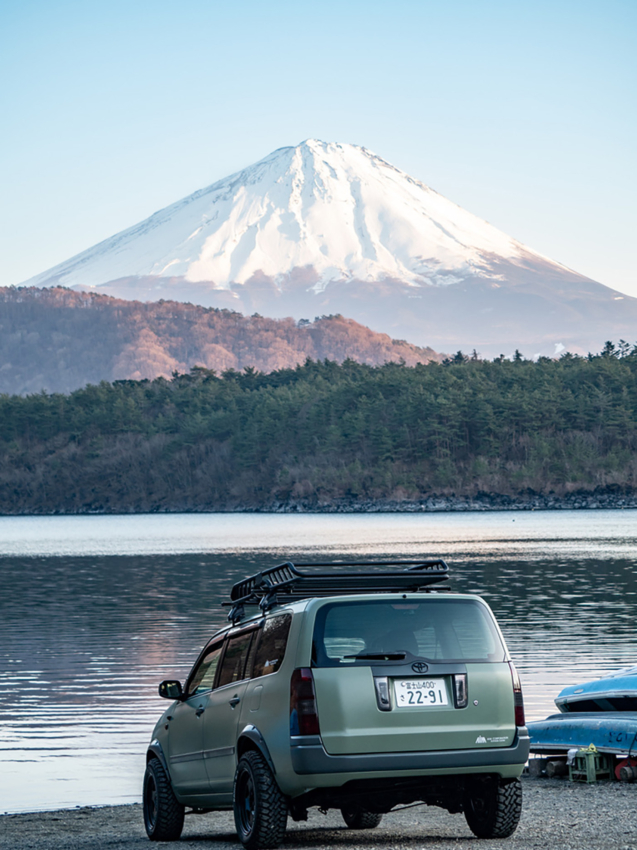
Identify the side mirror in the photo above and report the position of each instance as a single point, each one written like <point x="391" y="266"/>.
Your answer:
<point x="171" y="689"/>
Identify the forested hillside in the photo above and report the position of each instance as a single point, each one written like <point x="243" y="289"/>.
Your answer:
<point x="325" y="432"/>
<point x="59" y="340"/>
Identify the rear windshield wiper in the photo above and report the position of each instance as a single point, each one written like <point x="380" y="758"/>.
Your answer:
<point x="380" y="656"/>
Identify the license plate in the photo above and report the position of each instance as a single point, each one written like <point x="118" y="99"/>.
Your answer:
<point x="420" y="693"/>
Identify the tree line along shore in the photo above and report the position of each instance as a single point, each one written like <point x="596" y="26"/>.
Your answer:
<point x="327" y="436"/>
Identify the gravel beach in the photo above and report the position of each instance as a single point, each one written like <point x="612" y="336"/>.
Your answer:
<point x="557" y="814"/>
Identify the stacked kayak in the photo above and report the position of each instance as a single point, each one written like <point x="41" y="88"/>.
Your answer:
<point x="617" y="692"/>
<point x="609" y="731"/>
<point x="602" y="712"/>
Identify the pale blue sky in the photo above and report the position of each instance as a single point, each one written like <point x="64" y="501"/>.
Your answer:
<point x="523" y="113"/>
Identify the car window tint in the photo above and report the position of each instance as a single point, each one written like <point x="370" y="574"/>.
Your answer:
<point x="204" y="676"/>
<point x="469" y="639"/>
<point x="251" y="653"/>
<point x="451" y="630"/>
<point x="234" y="660"/>
<point x="271" y="649"/>
<point x="428" y="641"/>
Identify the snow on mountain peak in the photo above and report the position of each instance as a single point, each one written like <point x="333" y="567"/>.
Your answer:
<point x="335" y="207"/>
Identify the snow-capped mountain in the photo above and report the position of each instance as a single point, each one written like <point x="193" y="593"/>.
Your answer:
<point x="338" y="208"/>
<point x="326" y="227"/>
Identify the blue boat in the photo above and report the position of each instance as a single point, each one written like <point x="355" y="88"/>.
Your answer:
<point x="617" y="692"/>
<point x="609" y="731"/>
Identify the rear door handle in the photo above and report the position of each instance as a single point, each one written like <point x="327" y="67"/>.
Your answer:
<point x="235" y="701"/>
<point x="200" y="711"/>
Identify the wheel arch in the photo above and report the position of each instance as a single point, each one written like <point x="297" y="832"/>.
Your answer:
<point x="251" y="738"/>
<point x="155" y="751"/>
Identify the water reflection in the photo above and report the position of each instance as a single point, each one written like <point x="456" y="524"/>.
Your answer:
<point x="84" y="639"/>
<point x="531" y="534"/>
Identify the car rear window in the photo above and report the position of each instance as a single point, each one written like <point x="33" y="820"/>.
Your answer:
<point x="434" y="629"/>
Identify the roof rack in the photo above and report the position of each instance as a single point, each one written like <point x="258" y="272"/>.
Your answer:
<point x="287" y="581"/>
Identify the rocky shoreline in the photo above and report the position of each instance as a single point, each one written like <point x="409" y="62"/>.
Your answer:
<point x="442" y="504"/>
<point x="556" y="813"/>
<point x="605" y="499"/>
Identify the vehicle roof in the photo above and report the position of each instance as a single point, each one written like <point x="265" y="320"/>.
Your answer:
<point x="298" y="605"/>
<point x="393" y="597"/>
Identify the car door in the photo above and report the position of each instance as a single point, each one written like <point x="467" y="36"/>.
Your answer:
<point x="223" y="711"/>
<point x="185" y="730"/>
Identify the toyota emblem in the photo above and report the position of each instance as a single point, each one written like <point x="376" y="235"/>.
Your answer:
<point x="419" y="667"/>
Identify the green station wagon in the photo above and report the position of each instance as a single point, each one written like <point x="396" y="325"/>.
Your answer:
<point x="359" y="690"/>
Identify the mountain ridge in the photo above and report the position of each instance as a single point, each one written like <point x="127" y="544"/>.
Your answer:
<point x="59" y="340"/>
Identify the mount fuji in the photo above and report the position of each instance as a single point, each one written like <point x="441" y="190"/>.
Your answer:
<point x="333" y="228"/>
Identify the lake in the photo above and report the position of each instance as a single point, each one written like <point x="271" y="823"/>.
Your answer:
<point x="96" y="610"/>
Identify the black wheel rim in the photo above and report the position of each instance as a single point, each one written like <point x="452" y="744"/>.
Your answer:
<point x="479" y="807"/>
<point x="247" y="801"/>
<point x="481" y="804"/>
<point x="150" y="801"/>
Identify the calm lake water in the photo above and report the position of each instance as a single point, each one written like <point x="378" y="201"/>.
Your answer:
<point x="95" y="611"/>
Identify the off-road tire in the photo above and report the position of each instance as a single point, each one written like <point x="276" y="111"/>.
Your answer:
<point x="493" y="807"/>
<point x="260" y="809"/>
<point x="163" y="813"/>
<point x="357" y="818"/>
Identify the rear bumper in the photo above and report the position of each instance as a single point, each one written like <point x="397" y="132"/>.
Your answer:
<point x="310" y="757"/>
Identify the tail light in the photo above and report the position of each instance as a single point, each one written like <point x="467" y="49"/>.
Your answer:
<point x="518" y="701"/>
<point x="460" y="696"/>
<point x="303" y="713"/>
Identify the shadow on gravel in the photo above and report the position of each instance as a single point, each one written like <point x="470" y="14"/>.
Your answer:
<point x="377" y="838"/>
<point x="330" y="837"/>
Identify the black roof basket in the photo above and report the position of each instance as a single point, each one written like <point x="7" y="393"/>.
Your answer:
<point x="286" y="583"/>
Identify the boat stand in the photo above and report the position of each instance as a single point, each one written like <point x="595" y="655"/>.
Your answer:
<point x="589" y="765"/>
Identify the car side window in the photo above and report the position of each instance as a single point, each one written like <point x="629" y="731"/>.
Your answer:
<point x="271" y="649"/>
<point x="203" y="678"/>
<point x="233" y="666"/>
